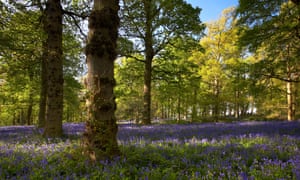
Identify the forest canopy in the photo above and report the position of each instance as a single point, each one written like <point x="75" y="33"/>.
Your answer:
<point x="243" y="66"/>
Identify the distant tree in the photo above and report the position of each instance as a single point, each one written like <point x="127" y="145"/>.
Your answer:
<point x="20" y="65"/>
<point x="129" y="77"/>
<point x="22" y="49"/>
<point x="100" y="141"/>
<point x="223" y="69"/>
<point x="73" y="13"/>
<point x="272" y="29"/>
<point x="175" y="79"/>
<point x="151" y="24"/>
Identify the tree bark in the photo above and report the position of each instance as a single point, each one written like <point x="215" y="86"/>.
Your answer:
<point x="54" y="114"/>
<point x="179" y="108"/>
<point x="147" y="91"/>
<point x="291" y="111"/>
<point x="237" y="104"/>
<point x="290" y="101"/>
<point x="29" y="108"/>
<point x="43" y="91"/>
<point x="149" y="54"/>
<point x="100" y="136"/>
<point x="216" y="107"/>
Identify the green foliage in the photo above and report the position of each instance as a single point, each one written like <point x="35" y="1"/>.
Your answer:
<point x="223" y="70"/>
<point x="170" y="20"/>
<point x="129" y="74"/>
<point x="271" y="31"/>
<point x="152" y="26"/>
<point x="21" y="67"/>
<point x="263" y="18"/>
<point x="215" y="79"/>
<point x="175" y="79"/>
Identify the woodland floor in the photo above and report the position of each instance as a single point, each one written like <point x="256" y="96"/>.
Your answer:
<point x="241" y="150"/>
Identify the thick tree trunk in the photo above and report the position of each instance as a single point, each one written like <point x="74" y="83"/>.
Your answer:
<point x="149" y="54"/>
<point x="100" y="136"/>
<point x="147" y="91"/>
<point x="43" y="92"/>
<point x="54" y="114"/>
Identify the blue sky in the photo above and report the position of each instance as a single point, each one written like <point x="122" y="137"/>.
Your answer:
<point x="212" y="9"/>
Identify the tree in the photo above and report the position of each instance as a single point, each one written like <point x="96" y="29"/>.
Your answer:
<point x="53" y="27"/>
<point x="151" y="24"/>
<point x="223" y="69"/>
<point x="100" y="140"/>
<point x="272" y="29"/>
<point x="129" y="77"/>
<point x="44" y="88"/>
<point x="20" y="64"/>
<point x="53" y="69"/>
<point x="54" y="75"/>
<point x="175" y="79"/>
<point x="43" y="74"/>
<point x="73" y="68"/>
<point x="21" y="60"/>
<point x="72" y="14"/>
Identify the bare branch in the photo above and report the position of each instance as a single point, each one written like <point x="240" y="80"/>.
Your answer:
<point x="73" y="15"/>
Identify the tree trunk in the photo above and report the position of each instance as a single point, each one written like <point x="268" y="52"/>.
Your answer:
<point x="194" y="108"/>
<point x="22" y="117"/>
<point x="30" y="101"/>
<point x="14" y="122"/>
<point x="290" y="101"/>
<point x="237" y="105"/>
<point x="291" y="111"/>
<point x="147" y="91"/>
<point x="149" y="54"/>
<point x="216" y="107"/>
<point x="43" y="92"/>
<point x="179" y="108"/>
<point x="29" y="109"/>
<point x="100" y="136"/>
<point x="169" y="109"/>
<point x="54" y="114"/>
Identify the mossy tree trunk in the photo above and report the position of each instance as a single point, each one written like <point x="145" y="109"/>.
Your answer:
<point x="54" y="114"/>
<point x="100" y="141"/>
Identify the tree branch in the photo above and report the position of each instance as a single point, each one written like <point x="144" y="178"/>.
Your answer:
<point x="133" y="57"/>
<point x="270" y="76"/>
<point x="73" y="15"/>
